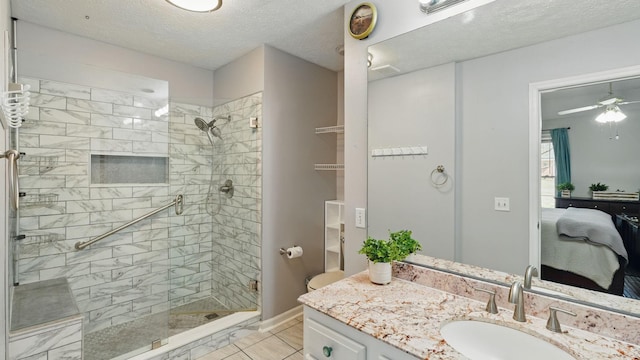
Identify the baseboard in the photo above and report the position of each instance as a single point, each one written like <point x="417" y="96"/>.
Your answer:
<point x="288" y="315"/>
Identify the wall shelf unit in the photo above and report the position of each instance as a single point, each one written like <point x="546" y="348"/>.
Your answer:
<point x="329" y="166"/>
<point x="337" y="129"/>
<point x="38" y="199"/>
<point x="333" y="234"/>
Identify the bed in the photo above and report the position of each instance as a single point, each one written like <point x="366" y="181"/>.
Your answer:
<point x="581" y="247"/>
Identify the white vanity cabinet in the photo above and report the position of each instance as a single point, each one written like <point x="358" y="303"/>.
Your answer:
<point x="328" y="338"/>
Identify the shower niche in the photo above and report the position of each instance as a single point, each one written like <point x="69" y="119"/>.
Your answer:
<point x="126" y="169"/>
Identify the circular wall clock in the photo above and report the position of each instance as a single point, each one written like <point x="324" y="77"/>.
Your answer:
<point x="363" y="20"/>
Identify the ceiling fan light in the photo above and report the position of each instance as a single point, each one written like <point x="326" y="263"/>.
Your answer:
<point x="611" y="114"/>
<point x="197" y="5"/>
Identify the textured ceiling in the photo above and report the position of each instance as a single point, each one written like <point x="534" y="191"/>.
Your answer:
<point x="310" y="30"/>
<point x="496" y="27"/>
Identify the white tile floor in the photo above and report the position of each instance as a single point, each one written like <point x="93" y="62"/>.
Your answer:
<point x="282" y="342"/>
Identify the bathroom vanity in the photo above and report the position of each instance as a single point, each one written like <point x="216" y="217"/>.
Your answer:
<point x="355" y="319"/>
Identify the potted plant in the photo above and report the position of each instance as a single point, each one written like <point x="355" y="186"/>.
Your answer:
<point x="406" y="244"/>
<point x="381" y="253"/>
<point x="596" y="188"/>
<point x="565" y="189"/>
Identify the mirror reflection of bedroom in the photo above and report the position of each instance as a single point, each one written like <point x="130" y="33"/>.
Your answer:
<point x="590" y="148"/>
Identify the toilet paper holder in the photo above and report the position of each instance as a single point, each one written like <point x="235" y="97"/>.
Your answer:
<point x="283" y="251"/>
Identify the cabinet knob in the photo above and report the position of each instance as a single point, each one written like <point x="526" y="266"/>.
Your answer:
<point x="327" y="350"/>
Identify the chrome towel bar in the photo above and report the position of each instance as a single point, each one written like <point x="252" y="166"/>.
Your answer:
<point x="178" y="202"/>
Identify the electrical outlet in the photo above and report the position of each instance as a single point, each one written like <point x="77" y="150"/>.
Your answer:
<point x="360" y="218"/>
<point x="501" y="204"/>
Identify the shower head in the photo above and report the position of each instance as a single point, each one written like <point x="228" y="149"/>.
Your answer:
<point x="201" y="124"/>
<point x="208" y="128"/>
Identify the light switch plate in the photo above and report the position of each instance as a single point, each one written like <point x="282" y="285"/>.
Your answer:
<point x="502" y="204"/>
<point x="360" y="218"/>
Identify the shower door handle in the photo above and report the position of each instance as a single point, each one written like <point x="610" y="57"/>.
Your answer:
<point x="13" y="156"/>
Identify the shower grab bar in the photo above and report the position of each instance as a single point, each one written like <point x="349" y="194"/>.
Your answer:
<point x="14" y="191"/>
<point x="178" y="202"/>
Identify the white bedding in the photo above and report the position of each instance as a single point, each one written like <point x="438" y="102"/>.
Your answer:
<point x="594" y="261"/>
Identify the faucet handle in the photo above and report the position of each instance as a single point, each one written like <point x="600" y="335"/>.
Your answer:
<point x="553" y="324"/>
<point x="491" y="304"/>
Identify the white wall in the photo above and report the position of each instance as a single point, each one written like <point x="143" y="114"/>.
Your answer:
<point x="415" y="109"/>
<point x="38" y="45"/>
<point x="241" y="77"/>
<point x="597" y="158"/>
<point x="495" y="136"/>
<point x="298" y="97"/>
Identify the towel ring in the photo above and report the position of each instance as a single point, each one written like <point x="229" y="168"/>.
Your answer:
<point x="439" y="170"/>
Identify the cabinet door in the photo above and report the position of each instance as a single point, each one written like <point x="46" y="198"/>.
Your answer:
<point x="320" y="342"/>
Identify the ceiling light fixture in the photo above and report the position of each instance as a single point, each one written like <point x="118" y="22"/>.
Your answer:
<point x="197" y="5"/>
<point x="611" y="114"/>
<point x="431" y="6"/>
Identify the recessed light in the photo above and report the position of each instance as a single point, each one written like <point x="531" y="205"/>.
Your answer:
<point x="197" y="5"/>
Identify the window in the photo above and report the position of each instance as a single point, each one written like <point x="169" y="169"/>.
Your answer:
<point x="547" y="172"/>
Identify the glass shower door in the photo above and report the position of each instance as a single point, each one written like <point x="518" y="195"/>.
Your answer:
<point x="96" y="157"/>
<point x="215" y="264"/>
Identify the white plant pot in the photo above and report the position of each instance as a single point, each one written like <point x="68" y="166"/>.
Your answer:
<point x="380" y="273"/>
<point x="565" y="193"/>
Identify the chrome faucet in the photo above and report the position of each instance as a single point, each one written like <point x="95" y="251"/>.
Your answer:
<point x="528" y="274"/>
<point x="516" y="296"/>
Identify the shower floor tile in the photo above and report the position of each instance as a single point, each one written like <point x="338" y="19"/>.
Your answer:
<point x="283" y="342"/>
<point x="124" y="338"/>
<point x="127" y="337"/>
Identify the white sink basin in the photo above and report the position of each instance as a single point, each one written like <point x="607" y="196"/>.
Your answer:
<point x="479" y="340"/>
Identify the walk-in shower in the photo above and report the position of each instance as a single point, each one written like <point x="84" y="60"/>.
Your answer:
<point x="167" y="273"/>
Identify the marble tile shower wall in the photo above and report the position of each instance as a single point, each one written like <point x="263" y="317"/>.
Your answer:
<point x="233" y="223"/>
<point x="237" y="222"/>
<point x="162" y="261"/>
<point x="124" y="276"/>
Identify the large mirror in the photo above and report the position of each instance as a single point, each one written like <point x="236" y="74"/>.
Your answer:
<point x="460" y="90"/>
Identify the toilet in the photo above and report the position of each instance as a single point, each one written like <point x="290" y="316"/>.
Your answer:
<point x="324" y="279"/>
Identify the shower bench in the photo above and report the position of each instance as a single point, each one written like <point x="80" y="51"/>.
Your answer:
<point x="45" y="321"/>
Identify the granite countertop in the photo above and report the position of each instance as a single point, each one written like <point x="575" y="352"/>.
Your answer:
<point x="409" y="316"/>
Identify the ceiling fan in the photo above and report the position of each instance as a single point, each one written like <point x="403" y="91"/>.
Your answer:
<point x="608" y="101"/>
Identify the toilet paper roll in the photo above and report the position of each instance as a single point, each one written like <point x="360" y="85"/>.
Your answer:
<point x="294" y="252"/>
